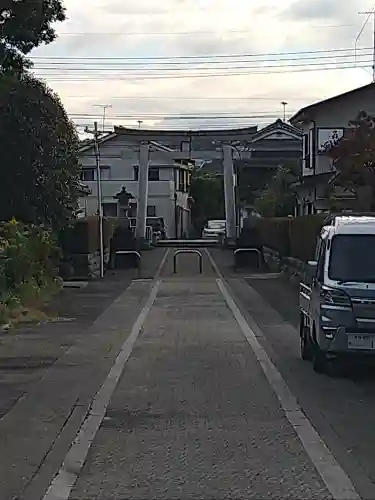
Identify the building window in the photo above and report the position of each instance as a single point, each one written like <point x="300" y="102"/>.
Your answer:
<point x="136" y="172"/>
<point x="153" y="173"/>
<point x="151" y="211"/>
<point x="89" y="174"/>
<point x="306" y="146"/>
<point x="133" y="210"/>
<point x="105" y="173"/>
<point x="182" y="181"/>
<point x="188" y="180"/>
<point x="110" y="209"/>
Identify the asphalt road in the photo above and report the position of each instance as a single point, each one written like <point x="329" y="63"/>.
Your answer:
<point x="50" y="372"/>
<point x="193" y="415"/>
<point x="340" y="407"/>
<point x="201" y="394"/>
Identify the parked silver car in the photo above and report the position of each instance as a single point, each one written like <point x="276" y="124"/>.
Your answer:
<point x="214" y="229"/>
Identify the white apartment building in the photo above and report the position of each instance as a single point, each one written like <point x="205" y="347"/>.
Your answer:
<point x="169" y="180"/>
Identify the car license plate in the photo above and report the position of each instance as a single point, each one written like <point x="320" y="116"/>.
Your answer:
<point x="361" y="342"/>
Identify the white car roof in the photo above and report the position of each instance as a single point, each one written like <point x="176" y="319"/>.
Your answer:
<point x="351" y="225"/>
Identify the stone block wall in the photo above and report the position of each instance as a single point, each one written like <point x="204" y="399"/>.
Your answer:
<point x="293" y="269"/>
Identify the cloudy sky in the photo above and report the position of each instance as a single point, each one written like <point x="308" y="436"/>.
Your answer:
<point x="204" y="63"/>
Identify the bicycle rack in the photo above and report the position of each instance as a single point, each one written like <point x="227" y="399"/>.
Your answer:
<point x="177" y="243"/>
<point x="248" y="250"/>
<point x="132" y="252"/>
<point x="197" y="252"/>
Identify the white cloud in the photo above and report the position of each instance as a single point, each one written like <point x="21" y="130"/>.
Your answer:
<point x="191" y="28"/>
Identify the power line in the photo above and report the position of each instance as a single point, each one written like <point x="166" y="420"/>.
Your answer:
<point x="164" y="116"/>
<point x="210" y="56"/>
<point x="133" y="77"/>
<point x="224" y="71"/>
<point x="181" y="116"/>
<point x="183" y="33"/>
<point x="65" y="65"/>
<point x="187" y="98"/>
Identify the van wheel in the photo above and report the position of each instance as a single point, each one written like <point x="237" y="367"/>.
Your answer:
<point x="320" y="361"/>
<point x="306" y="347"/>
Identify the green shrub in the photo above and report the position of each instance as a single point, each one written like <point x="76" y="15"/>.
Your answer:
<point x="274" y="233"/>
<point x="82" y="237"/>
<point x="28" y="258"/>
<point x="303" y="236"/>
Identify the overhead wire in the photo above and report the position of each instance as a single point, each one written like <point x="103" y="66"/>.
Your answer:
<point x="182" y="68"/>
<point x="202" y="56"/>
<point x="166" y="116"/>
<point x="183" y="33"/>
<point x="169" y="65"/>
<point x="187" y="98"/>
<point x="142" y="77"/>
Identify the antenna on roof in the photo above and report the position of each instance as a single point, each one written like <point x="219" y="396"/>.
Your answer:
<point x="369" y="15"/>
<point x="284" y="105"/>
<point x="104" y="108"/>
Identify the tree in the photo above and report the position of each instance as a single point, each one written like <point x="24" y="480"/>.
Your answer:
<point x="39" y="154"/>
<point x="25" y="25"/>
<point x="251" y="181"/>
<point x="207" y="193"/>
<point x="353" y="158"/>
<point x="278" y="199"/>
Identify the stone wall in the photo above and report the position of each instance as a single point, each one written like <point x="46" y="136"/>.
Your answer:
<point x="293" y="269"/>
<point x="82" y="266"/>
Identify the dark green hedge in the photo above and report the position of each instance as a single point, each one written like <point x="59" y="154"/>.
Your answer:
<point x="82" y="237"/>
<point x="292" y="236"/>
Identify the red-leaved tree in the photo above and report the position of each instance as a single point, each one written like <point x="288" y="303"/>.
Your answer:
<point x="353" y="157"/>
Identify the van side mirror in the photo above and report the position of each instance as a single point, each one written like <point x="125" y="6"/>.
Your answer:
<point x="311" y="270"/>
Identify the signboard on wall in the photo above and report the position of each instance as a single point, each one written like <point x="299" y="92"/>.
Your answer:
<point x="327" y="137"/>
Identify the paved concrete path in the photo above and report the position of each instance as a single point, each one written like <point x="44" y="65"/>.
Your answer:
<point x="193" y="415"/>
<point x="49" y="374"/>
<point x="177" y="391"/>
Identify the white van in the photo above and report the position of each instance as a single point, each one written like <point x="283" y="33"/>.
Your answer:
<point x="337" y="298"/>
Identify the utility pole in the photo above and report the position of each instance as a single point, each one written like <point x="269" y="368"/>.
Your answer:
<point x="175" y="202"/>
<point x="284" y="105"/>
<point x="96" y="134"/>
<point x="229" y="194"/>
<point x="369" y="15"/>
<point x="104" y="107"/>
<point x="140" y="230"/>
<point x="139" y="123"/>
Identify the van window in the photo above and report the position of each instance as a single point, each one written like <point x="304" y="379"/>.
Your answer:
<point x="352" y="258"/>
